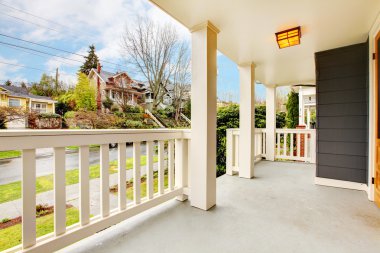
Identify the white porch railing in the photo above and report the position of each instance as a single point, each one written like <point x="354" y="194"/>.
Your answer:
<point x="290" y="144"/>
<point x="29" y="141"/>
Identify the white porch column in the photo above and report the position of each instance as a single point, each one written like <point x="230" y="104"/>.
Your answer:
<point x="247" y="120"/>
<point x="270" y="122"/>
<point x="203" y="116"/>
<point x="301" y="117"/>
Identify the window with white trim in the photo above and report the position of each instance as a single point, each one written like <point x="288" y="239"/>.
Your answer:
<point x="39" y="107"/>
<point x="13" y="102"/>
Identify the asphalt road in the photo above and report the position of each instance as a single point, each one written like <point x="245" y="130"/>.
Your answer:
<point x="10" y="169"/>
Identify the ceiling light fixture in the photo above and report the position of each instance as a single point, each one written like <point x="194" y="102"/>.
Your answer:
<point x="289" y="38"/>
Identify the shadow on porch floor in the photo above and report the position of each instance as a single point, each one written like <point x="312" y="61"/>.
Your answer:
<point x="279" y="211"/>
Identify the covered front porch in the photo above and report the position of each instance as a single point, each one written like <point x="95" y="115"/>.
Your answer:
<point x="282" y="210"/>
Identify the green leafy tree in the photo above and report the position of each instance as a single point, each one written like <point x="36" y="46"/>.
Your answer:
<point x="66" y="102"/>
<point x="292" y="110"/>
<point x="91" y="61"/>
<point x="107" y="103"/>
<point x="47" y="87"/>
<point x="8" y="83"/>
<point x="84" y="94"/>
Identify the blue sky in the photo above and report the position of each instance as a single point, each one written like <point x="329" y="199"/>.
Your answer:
<point x="73" y="27"/>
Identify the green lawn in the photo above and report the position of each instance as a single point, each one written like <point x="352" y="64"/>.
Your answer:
<point x="74" y="148"/>
<point x="11" y="236"/>
<point x="10" y="154"/>
<point x="143" y="188"/>
<point x="12" y="191"/>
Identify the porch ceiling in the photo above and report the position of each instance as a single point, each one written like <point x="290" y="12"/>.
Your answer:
<point x="248" y="27"/>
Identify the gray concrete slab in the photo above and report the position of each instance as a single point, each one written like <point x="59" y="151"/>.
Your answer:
<point x="281" y="210"/>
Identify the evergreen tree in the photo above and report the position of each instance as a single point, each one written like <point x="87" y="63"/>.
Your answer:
<point x="84" y="94"/>
<point x="8" y="83"/>
<point x="292" y="110"/>
<point x="91" y="61"/>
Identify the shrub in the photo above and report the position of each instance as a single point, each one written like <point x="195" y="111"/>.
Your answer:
<point x="131" y="124"/>
<point x="41" y="209"/>
<point x="5" y="220"/>
<point x="132" y="109"/>
<point x="107" y="103"/>
<point x="44" y="120"/>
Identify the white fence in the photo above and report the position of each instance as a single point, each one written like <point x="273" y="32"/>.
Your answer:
<point x="28" y="141"/>
<point x="290" y="144"/>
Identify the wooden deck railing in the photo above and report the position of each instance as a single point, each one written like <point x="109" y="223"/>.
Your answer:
<point x="290" y="144"/>
<point x="28" y="141"/>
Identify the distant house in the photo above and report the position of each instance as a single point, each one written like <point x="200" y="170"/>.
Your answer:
<point x="119" y="87"/>
<point x="15" y="96"/>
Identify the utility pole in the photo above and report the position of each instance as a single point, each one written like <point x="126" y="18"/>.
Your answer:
<point x="99" y="97"/>
<point x="56" y="79"/>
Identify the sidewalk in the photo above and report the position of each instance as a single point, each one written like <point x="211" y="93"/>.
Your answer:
<point x="13" y="208"/>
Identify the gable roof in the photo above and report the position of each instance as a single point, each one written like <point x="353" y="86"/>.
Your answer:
<point x="22" y="92"/>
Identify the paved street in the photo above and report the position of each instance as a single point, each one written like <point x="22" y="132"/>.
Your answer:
<point x="13" y="209"/>
<point x="10" y="169"/>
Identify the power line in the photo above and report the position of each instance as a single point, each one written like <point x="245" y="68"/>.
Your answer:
<point x="31" y="14"/>
<point x="54" y="48"/>
<point x="19" y="65"/>
<point x="38" y="51"/>
<point x="30" y="22"/>
<point x="37" y="54"/>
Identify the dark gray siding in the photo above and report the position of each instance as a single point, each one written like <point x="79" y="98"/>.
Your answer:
<point x="342" y="113"/>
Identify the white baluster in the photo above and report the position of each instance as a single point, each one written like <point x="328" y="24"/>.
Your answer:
<point x="181" y="165"/>
<point x="104" y="178"/>
<point x="285" y="144"/>
<point x="161" y="167"/>
<point x="171" y="164"/>
<point x="84" y="183"/>
<point x="298" y="145"/>
<point x="149" y="169"/>
<point x="306" y="147"/>
<point x="28" y="198"/>
<point x="229" y="152"/>
<point x="136" y="173"/>
<point x="291" y="145"/>
<point x="121" y="157"/>
<point x="59" y="191"/>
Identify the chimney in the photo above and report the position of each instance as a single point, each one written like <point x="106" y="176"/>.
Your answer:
<point x="99" y="95"/>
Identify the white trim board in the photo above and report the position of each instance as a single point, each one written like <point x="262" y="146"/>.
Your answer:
<point x="340" y="184"/>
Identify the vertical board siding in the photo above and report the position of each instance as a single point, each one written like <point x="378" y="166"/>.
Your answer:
<point x="342" y="113"/>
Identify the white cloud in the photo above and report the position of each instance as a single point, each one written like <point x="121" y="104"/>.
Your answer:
<point x="6" y="70"/>
<point x="81" y="23"/>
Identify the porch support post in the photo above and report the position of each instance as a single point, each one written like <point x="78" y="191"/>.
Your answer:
<point x="203" y="116"/>
<point x="247" y="120"/>
<point x="270" y="122"/>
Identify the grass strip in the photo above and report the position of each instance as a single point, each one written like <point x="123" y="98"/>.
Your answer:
<point x="12" y="191"/>
<point x="11" y="236"/>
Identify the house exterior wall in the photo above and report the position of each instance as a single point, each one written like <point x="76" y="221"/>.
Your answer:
<point x="342" y="113"/>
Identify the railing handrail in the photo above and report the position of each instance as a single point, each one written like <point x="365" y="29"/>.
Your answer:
<point x="172" y="163"/>
<point x="31" y="139"/>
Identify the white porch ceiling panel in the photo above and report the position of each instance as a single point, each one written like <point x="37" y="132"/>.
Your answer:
<point x="248" y="27"/>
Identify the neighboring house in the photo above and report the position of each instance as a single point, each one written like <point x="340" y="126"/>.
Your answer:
<point x="15" y="96"/>
<point x="168" y="97"/>
<point x="119" y="87"/>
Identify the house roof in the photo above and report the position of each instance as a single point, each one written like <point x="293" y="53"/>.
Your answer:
<point x="106" y="76"/>
<point x="17" y="91"/>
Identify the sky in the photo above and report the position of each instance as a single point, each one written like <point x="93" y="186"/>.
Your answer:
<point x="75" y="26"/>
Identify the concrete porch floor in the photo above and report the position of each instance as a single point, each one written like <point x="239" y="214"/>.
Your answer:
<point x="281" y="210"/>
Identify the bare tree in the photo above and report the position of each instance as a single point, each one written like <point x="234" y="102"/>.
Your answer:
<point x="151" y="48"/>
<point x="9" y="114"/>
<point x="181" y="79"/>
